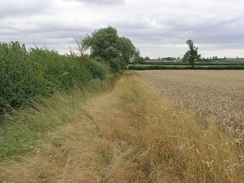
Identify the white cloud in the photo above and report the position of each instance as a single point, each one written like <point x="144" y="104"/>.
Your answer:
<point x="21" y="8"/>
<point x="156" y="27"/>
<point x="100" y="2"/>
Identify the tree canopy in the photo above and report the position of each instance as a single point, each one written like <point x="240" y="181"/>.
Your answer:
<point x="105" y="45"/>
<point x="191" y="56"/>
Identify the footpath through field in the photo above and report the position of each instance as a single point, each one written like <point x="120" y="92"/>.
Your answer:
<point x="216" y="95"/>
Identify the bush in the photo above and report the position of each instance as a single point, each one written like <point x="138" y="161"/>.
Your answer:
<point x="61" y="71"/>
<point x="98" y="69"/>
<point x="19" y="81"/>
<point x="27" y="74"/>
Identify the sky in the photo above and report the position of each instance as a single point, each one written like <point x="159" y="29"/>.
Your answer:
<point x="158" y="28"/>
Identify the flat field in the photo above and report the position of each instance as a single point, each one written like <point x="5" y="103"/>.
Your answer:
<point x="216" y="95"/>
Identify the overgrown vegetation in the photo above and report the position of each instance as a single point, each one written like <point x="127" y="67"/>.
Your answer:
<point x="28" y="74"/>
<point x="130" y="134"/>
<point x="22" y="131"/>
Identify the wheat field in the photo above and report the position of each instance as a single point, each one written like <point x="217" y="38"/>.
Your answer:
<point x="215" y="95"/>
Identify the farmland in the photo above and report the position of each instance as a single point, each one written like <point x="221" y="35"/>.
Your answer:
<point x="131" y="133"/>
<point x="216" y="95"/>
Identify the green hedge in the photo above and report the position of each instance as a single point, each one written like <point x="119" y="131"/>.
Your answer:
<point x="180" y="67"/>
<point x="61" y="71"/>
<point x="39" y="72"/>
<point x="236" y="63"/>
<point x="18" y="79"/>
<point x="98" y="69"/>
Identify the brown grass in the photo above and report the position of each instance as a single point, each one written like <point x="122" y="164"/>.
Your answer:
<point x="132" y="134"/>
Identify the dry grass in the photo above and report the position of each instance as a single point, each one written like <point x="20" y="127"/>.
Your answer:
<point x="132" y="134"/>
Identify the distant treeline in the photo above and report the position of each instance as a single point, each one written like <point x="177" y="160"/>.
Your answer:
<point x="185" y="67"/>
<point x="27" y="74"/>
<point x="197" y="63"/>
<point x="213" y="59"/>
<point x="221" y="64"/>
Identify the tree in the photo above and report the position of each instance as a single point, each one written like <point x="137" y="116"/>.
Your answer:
<point x="191" y="56"/>
<point x="127" y="50"/>
<point x="146" y="58"/>
<point x="106" y="46"/>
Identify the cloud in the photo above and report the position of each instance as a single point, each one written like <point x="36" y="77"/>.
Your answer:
<point x="156" y="27"/>
<point x="100" y="2"/>
<point x="21" y="8"/>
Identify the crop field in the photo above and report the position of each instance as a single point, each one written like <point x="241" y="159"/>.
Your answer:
<point x="216" y="95"/>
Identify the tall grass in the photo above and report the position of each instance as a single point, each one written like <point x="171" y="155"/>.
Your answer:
<point x="22" y="130"/>
<point x="130" y="134"/>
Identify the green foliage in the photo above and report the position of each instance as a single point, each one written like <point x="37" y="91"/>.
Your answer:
<point x="98" y="69"/>
<point x="147" y="58"/>
<point x="19" y="81"/>
<point x="108" y="47"/>
<point x="157" y="67"/>
<point x="164" y="63"/>
<point x="127" y="50"/>
<point x="184" y="67"/>
<point x="39" y="72"/>
<point x="61" y="71"/>
<point x="191" y="56"/>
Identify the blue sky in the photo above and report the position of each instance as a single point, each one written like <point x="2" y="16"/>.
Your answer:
<point x="158" y="28"/>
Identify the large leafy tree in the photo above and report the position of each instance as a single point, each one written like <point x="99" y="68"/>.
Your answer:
<point x="105" y="45"/>
<point x="127" y="49"/>
<point x="191" y="56"/>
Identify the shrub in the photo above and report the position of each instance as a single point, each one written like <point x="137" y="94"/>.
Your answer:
<point x="27" y="74"/>
<point x="98" y="69"/>
<point x="19" y="81"/>
<point x="61" y="71"/>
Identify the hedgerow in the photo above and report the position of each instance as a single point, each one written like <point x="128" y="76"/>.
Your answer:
<point x="19" y="81"/>
<point x="26" y="74"/>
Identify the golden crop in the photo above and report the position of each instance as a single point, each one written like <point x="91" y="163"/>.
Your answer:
<point x="216" y="95"/>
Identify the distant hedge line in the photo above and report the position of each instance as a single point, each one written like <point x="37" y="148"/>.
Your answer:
<point x="198" y="63"/>
<point x="184" y="67"/>
<point x="25" y="74"/>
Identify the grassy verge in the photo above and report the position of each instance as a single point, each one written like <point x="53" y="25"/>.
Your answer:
<point x="23" y="131"/>
<point x="130" y="134"/>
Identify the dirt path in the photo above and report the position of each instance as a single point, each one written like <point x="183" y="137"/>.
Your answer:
<point x="218" y="95"/>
